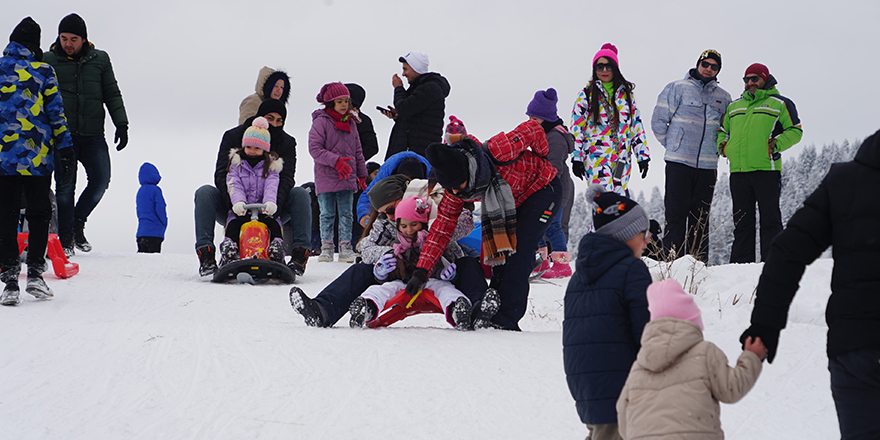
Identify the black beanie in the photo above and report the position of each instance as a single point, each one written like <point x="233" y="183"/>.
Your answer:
<point x="27" y="33"/>
<point x="272" y="106"/>
<point x="710" y="53"/>
<point x="616" y="215"/>
<point x="388" y="190"/>
<point x="73" y="24"/>
<point x="358" y="94"/>
<point x="412" y="167"/>
<point x="450" y="164"/>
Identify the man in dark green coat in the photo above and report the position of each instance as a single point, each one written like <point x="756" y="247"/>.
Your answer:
<point x="87" y="84"/>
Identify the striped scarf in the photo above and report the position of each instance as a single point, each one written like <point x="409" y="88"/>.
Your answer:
<point x="498" y="217"/>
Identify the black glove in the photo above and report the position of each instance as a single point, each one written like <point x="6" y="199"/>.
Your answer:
<point x="643" y="167"/>
<point x="66" y="166"/>
<point x="769" y="337"/>
<point x="121" y="137"/>
<point x="417" y="282"/>
<point x="578" y="169"/>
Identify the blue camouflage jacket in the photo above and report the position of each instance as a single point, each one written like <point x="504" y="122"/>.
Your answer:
<point x="32" y="122"/>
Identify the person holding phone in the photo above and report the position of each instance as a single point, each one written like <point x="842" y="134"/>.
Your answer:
<point x="418" y="111"/>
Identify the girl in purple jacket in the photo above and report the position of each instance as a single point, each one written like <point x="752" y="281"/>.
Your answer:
<point x="253" y="177"/>
<point x="339" y="166"/>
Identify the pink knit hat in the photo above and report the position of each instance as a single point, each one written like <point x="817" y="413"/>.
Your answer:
<point x="666" y="299"/>
<point x="609" y="51"/>
<point x="413" y="208"/>
<point x="331" y="91"/>
<point x="257" y="135"/>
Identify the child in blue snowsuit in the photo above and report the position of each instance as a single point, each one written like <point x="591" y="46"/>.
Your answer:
<point x="152" y="219"/>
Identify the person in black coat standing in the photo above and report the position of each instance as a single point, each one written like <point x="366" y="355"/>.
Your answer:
<point x="842" y="213"/>
<point x="418" y="112"/>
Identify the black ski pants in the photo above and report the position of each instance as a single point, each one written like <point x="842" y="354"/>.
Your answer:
<point x="688" y="199"/>
<point x="746" y="189"/>
<point x="39" y="210"/>
<point x="855" y="386"/>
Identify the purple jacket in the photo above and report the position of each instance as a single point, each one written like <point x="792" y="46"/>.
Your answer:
<point x="246" y="184"/>
<point x="327" y="144"/>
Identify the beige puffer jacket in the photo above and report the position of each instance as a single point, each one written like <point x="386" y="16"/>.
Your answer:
<point x="251" y="104"/>
<point x="674" y="387"/>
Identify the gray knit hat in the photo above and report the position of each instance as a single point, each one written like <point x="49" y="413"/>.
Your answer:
<point x="616" y="215"/>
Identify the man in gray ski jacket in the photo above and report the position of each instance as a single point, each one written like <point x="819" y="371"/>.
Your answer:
<point x="685" y="121"/>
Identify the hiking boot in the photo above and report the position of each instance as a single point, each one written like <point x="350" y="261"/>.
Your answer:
<point x="207" y="265"/>
<point x="37" y="287"/>
<point x="228" y="251"/>
<point x="275" y="250"/>
<point x="346" y="253"/>
<point x="461" y="314"/>
<point x="488" y="308"/>
<point x="307" y="307"/>
<point x="10" y="295"/>
<point x="67" y="244"/>
<point x="561" y="268"/>
<point x="362" y="312"/>
<point x="79" y="238"/>
<point x="326" y="253"/>
<point x="299" y="256"/>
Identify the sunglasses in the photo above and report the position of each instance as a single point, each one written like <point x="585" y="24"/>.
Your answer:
<point x="388" y="211"/>
<point x="708" y="65"/>
<point x="604" y="66"/>
<point x="751" y="79"/>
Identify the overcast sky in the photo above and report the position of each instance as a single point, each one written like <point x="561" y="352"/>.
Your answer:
<point x="183" y="68"/>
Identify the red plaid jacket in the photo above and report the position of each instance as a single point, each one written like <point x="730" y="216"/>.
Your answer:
<point x="528" y="173"/>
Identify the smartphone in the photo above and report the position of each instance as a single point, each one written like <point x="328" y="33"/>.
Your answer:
<point x="383" y="109"/>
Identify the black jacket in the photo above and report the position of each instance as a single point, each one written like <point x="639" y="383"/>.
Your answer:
<point x="282" y="144"/>
<point x="369" y="143"/>
<point x="420" y="112"/>
<point x="842" y="213"/>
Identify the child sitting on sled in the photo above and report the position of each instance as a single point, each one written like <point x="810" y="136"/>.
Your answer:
<point x="254" y="173"/>
<point x="395" y="268"/>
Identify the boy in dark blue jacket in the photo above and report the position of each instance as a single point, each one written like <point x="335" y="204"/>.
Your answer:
<point x="152" y="220"/>
<point x="606" y="309"/>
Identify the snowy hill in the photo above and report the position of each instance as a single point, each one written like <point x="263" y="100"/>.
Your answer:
<point x="138" y="347"/>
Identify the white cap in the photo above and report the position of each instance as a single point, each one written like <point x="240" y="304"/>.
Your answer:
<point x="417" y="60"/>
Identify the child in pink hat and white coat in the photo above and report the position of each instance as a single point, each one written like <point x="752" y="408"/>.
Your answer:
<point x="674" y="387"/>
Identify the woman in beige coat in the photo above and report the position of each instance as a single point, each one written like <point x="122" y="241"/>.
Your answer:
<point x="271" y="84"/>
<point x="674" y="387"/>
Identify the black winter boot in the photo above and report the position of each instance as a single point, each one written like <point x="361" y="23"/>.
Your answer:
<point x="9" y="276"/>
<point x="299" y="256"/>
<point x="228" y="251"/>
<point x="488" y="308"/>
<point x="207" y="263"/>
<point x="67" y="244"/>
<point x="80" y="237"/>
<point x="307" y="307"/>
<point x="362" y="312"/>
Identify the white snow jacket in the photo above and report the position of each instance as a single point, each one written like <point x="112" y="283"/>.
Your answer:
<point x="686" y="120"/>
<point x="674" y="387"/>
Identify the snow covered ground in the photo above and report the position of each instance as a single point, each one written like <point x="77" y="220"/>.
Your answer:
<point x="138" y="347"/>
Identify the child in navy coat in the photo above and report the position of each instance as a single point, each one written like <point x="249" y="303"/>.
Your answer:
<point x="152" y="220"/>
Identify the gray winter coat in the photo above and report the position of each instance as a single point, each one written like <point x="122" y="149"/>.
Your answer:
<point x="686" y="120"/>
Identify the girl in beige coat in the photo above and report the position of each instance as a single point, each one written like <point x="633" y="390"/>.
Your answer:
<point x="674" y="387"/>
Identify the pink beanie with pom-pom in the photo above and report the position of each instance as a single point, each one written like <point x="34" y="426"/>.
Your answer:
<point x="331" y="91"/>
<point x="666" y="299"/>
<point x="609" y="51"/>
<point x="257" y="135"/>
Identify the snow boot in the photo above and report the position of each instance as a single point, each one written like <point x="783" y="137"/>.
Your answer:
<point x="276" y="250"/>
<point x="326" y="252"/>
<point x="299" y="256"/>
<point x="228" y="251"/>
<point x="37" y="287"/>
<point x="9" y="275"/>
<point x="362" y="312"/>
<point x="346" y="253"/>
<point x="67" y="244"/>
<point x="488" y="308"/>
<point x="10" y="295"/>
<point x="461" y="314"/>
<point x="307" y="307"/>
<point x="79" y="237"/>
<point x="207" y="264"/>
<point x="560" y="268"/>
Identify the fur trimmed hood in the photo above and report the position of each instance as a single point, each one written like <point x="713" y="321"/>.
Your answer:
<point x="275" y="164"/>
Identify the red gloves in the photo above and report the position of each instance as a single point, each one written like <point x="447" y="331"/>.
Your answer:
<point x="362" y="183"/>
<point x="343" y="168"/>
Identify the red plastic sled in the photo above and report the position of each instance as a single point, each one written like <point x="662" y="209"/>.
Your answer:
<point x="62" y="267"/>
<point x="403" y="305"/>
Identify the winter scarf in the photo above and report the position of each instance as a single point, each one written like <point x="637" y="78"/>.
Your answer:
<point x="498" y="217"/>
<point x="404" y="242"/>
<point x="343" y="121"/>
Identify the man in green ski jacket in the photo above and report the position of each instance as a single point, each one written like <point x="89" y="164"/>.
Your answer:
<point x="756" y="128"/>
<point x="87" y="84"/>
